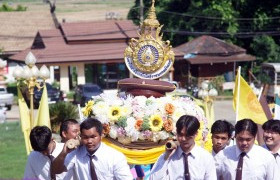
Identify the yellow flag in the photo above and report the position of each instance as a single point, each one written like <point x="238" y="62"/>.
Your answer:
<point x="43" y="114"/>
<point x="248" y="106"/>
<point x="25" y="120"/>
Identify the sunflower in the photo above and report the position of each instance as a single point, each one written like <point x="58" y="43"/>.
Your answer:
<point x="155" y="123"/>
<point x="114" y="113"/>
<point x="87" y="110"/>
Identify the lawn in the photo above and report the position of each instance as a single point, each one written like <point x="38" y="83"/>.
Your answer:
<point x="12" y="151"/>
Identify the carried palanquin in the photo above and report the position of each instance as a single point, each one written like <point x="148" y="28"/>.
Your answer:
<point x="140" y="119"/>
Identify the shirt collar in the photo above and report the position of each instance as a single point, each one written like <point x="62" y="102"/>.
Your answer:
<point x="194" y="152"/>
<point x="248" y="154"/>
<point x="97" y="153"/>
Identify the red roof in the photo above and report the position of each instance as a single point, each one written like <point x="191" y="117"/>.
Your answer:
<point x="101" y="42"/>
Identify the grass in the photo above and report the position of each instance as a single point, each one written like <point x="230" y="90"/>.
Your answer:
<point x="12" y="151"/>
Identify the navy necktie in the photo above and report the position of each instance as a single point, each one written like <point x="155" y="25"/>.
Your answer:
<point x="92" y="168"/>
<point x="239" y="167"/>
<point x="187" y="172"/>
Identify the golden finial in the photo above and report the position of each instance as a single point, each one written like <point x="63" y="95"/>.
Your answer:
<point x="151" y="20"/>
<point x="149" y="57"/>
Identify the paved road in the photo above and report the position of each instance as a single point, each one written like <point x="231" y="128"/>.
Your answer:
<point x="223" y="110"/>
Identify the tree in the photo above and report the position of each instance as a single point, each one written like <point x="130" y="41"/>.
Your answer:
<point x="251" y="24"/>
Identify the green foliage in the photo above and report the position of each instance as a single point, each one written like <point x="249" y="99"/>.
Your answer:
<point x="246" y="23"/>
<point x="122" y="121"/>
<point x="56" y="84"/>
<point x="7" y="8"/>
<point x="12" y="151"/>
<point x="60" y="112"/>
<point x="146" y="125"/>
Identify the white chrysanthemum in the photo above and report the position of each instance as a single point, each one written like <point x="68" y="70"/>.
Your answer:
<point x="178" y="113"/>
<point x="103" y="118"/>
<point x="140" y="101"/>
<point x="126" y="111"/>
<point x="130" y="129"/>
<point x="100" y="108"/>
<point x="113" y="132"/>
<point x="163" y="135"/>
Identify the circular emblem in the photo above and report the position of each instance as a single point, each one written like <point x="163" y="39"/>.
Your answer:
<point x="148" y="59"/>
<point x="148" y="56"/>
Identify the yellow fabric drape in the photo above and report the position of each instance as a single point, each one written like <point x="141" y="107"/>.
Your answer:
<point x="25" y="120"/>
<point x="149" y="156"/>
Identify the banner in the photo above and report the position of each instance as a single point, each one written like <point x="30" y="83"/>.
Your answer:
<point x="43" y="115"/>
<point x="246" y="103"/>
<point x="25" y="120"/>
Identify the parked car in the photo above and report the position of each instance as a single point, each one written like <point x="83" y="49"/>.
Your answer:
<point x="2" y="115"/>
<point x="54" y="95"/>
<point x="6" y="99"/>
<point x="84" y="93"/>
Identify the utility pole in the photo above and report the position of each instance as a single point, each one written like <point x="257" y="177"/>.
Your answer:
<point x="141" y="11"/>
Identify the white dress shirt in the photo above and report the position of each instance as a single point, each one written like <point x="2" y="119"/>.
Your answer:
<point x="258" y="164"/>
<point x="109" y="164"/>
<point x="201" y="166"/>
<point x="38" y="165"/>
<point x="277" y="157"/>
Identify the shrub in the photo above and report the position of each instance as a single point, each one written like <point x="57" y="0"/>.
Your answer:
<point x="60" y="112"/>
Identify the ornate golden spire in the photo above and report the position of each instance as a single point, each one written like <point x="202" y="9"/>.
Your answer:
<point x="151" y="19"/>
<point x="149" y="57"/>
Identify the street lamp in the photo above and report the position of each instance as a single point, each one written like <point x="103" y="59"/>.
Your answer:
<point x="3" y="64"/>
<point x="28" y="76"/>
<point x="207" y="93"/>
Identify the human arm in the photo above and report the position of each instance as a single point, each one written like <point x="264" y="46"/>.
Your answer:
<point x="121" y="169"/>
<point x="58" y="163"/>
<point x="160" y="169"/>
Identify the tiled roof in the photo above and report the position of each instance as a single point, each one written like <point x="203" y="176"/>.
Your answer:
<point x="50" y="46"/>
<point x="207" y="49"/>
<point x="17" y="29"/>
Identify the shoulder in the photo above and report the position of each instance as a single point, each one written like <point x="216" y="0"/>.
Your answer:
<point x="35" y="155"/>
<point x="226" y="153"/>
<point x="202" y="152"/>
<point x="258" y="150"/>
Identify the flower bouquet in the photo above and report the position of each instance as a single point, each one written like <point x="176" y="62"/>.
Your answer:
<point x="133" y="120"/>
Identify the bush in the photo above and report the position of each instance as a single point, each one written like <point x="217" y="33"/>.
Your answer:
<point x="60" y="112"/>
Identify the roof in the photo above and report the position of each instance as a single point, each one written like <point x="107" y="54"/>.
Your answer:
<point x="275" y="66"/>
<point x="207" y="49"/>
<point x="101" y="42"/>
<point x="17" y="29"/>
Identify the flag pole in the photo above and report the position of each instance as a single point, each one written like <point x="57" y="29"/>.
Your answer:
<point x="238" y="93"/>
<point x="260" y="94"/>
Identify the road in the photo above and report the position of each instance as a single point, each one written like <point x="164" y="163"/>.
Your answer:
<point x="223" y="110"/>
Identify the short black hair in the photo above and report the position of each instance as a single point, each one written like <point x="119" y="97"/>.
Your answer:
<point x="272" y="125"/>
<point x="222" y="126"/>
<point x="40" y="138"/>
<point x="90" y="123"/>
<point x="246" y="125"/>
<point x="64" y="125"/>
<point x="191" y="124"/>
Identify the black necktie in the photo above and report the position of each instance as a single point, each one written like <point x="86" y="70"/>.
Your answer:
<point x="240" y="166"/>
<point x="187" y="172"/>
<point x="275" y="155"/>
<point x="92" y="168"/>
<point x="52" y="174"/>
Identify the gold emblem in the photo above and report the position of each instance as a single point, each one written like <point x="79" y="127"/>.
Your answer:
<point x="149" y="57"/>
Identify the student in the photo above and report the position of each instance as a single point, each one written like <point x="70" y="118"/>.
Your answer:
<point x="186" y="161"/>
<point x="93" y="159"/>
<point x="271" y="137"/>
<point x="221" y="132"/>
<point x="45" y="149"/>
<point x="245" y="160"/>
<point x="69" y="129"/>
